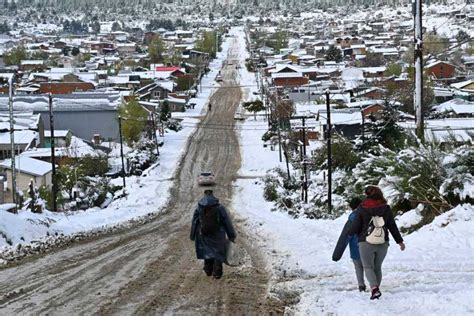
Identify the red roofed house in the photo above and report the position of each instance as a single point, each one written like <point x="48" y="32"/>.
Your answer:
<point x="174" y="71"/>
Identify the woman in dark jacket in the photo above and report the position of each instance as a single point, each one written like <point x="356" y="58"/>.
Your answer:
<point x="372" y="255"/>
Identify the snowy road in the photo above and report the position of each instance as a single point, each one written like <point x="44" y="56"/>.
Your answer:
<point x="151" y="269"/>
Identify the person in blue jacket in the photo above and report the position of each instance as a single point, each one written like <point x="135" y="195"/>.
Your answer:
<point x="353" y="241"/>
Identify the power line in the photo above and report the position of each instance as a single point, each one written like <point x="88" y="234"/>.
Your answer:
<point x="449" y="19"/>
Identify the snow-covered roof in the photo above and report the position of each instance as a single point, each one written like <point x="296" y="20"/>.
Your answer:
<point x="26" y="120"/>
<point x="21" y="137"/>
<point x="287" y="75"/>
<point x="458" y="106"/>
<point x="28" y="165"/>
<point x="176" y="100"/>
<point x="341" y="116"/>
<point x="32" y="62"/>
<point x="374" y="70"/>
<point x="65" y="102"/>
<point x="462" y="84"/>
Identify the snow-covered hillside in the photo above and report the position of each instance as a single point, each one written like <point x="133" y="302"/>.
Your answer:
<point x="433" y="276"/>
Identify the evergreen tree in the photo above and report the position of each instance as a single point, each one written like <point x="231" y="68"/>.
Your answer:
<point x="165" y="113"/>
<point x="382" y="129"/>
<point x="116" y="27"/>
<point x="75" y="51"/>
<point x="334" y="54"/>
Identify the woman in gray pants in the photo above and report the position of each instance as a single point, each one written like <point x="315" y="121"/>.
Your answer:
<point x="372" y="255"/>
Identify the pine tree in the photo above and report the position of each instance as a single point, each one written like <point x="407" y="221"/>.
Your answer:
<point x="334" y="54"/>
<point x="382" y="129"/>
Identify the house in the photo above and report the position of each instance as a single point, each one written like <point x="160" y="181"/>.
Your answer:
<point x="465" y="86"/>
<point x="62" y="138"/>
<point x="440" y="70"/>
<point x="288" y="76"/>
<point x="66" y="61"/>
<point x="455" y="108"/>
<point x="446" y="130"/>
<point x="32" y="65"/>
<point x="168" y="72"/>
<point x="123" y="81"/>
<point x="28" y="132"/>
<point x="65" y="87"/>
<point x="289" y="79"/>
<point x="352" y="77"/>
<point x="126" y="48"/>
<point x="24" y="140"/>
<point x="373" y="93"/>
<point x="157" y="90"/>
<point x="27" y="169"/>
<point x="347" y="122"/>
<point x="103" y="47"/>
<point x="85" y="114"/>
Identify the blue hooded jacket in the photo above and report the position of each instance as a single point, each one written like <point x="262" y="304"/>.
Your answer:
<point x="345" y="239"/>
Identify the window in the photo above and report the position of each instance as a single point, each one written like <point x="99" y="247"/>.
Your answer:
<point x="156" y="94"/>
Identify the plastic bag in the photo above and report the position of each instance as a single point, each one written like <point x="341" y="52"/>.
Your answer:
<point x="233" y="255"/>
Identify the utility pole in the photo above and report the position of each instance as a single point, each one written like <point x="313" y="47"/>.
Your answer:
<point x="305" y="174"/>
<point x="154" y="133"/>
<point x="217" y="42"/>
<point x="121" y="151"/>
<point x="279" y="139"/>
<point x="418" y="42"/>
<point x="328" y="135"/>
<point x="11" y="82"/>
<point x="53" y="156"/>
<point x="303" y="158"/>
<point x="285" y="152"/>
<point x="363" y="132"/>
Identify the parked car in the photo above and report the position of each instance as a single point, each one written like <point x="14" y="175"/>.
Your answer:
<point x="206" y="178"/>
<point x="239" y="116"/>
<point x="219" y="78"/>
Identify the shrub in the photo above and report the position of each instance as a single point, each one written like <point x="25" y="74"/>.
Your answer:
<point x="344" y="155"/>
<point x="270" y="192"/>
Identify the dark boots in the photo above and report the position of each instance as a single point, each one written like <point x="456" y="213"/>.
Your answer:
<point x="375" y="294"/>
<point x="208" y="266"/>
<point x="213" y="267"/>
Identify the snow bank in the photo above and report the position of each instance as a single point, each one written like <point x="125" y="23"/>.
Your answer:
<point x="411" y="218"/>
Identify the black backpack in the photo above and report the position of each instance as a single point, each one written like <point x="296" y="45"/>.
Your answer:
<point x="210" y="219"/>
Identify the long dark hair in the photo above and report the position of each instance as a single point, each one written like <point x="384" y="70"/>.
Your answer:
<point x="374" y="193"/>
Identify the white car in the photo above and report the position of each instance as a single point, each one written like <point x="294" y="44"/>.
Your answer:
<point x="219" y="78"/>
<point x="238" y="116"/>
<point x="206" y="178"/>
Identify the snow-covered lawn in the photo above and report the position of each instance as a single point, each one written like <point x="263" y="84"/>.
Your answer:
<point x="146" y="194"/>
<point x="433" y="276"/>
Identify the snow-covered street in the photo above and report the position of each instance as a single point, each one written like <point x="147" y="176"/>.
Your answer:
<point x="146" y="194"/>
